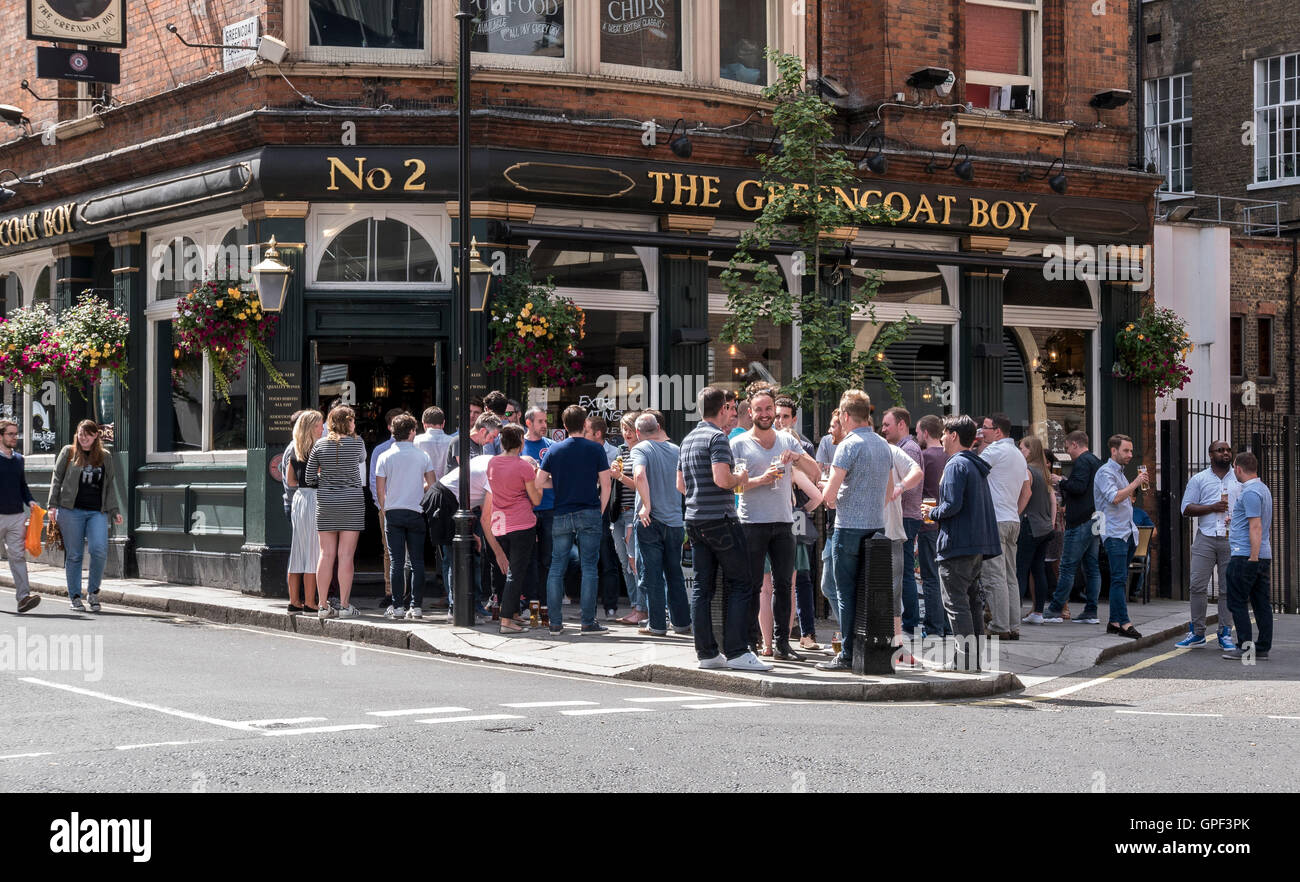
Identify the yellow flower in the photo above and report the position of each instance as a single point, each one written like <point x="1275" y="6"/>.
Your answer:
<point x="1129" y="328"/>
<point x="528" y="305"/>
<point x="219" y="302"/>
<point x="1141" y="336"/>
<point x="550" y="336"/>
<point x="234" y="292"/>
<point x="519" y="325"/>
<point x="243" y="315"/>
<point x="11" y="347"/>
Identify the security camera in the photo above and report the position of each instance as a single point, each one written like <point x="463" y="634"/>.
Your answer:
<point x="12" y="115"/>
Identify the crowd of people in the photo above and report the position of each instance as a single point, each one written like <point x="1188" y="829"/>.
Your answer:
<point x="987" y="524"/>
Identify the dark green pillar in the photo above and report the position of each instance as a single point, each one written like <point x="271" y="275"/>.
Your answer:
<point x="128" y="418"/>
<point x="74" y="272"/>
<point x="267" y="533"/>
<point x="980" y="341"/>
<point x="683" y="320"/>
<point x="1121" y="403"/>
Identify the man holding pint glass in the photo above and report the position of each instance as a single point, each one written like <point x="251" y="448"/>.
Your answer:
<point x="1209" y="497"/>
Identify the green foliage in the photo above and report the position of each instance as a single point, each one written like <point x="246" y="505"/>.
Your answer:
<point x="1153" y="350"/>
<point x="804" y="208"/>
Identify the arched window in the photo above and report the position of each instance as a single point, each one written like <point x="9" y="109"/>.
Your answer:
<point x="614" y="269"/>
<point x="177" y="268"/>
<point x="375" y="250"/>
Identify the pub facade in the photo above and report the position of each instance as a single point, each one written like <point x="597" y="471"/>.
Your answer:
<point x="362" y="201"/>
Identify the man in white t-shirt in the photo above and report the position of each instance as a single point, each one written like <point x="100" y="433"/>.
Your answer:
<point x="1010" y="485"/>
<point x="435" y="442"/>
<point x="402" y="474"/>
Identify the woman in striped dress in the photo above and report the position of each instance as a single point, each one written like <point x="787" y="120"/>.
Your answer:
<point x="334" y="467"/>
<point x="304" y="550"/>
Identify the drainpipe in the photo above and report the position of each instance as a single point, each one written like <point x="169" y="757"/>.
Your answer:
<point x="1290" y="309"/>
<point x="1140" y="91"/>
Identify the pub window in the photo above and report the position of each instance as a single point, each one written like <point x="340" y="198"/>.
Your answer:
<point x="1169" y="130"/>
<point x="1002" y="54"/>
<point x="735" y="365"/>
<point x="902" y="283"/>
<point x="177" y="268"/>
<point x="1236" y="336"/>
<point x="1277" y="118"/>
<point x="378" y="250"/>
<point x="527" y="29"/>
<point x="189" y="414"/>
<point x="613" y="270"/>
<point x="642" y="33"/>
<point x="1264" y="330"/>
<point x="374" y="24"/>
<point x="745" y="29"/>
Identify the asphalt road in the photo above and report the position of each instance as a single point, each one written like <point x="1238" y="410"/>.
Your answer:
<point x="161" y="703"/>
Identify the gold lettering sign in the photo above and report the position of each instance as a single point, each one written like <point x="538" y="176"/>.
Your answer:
<point x="19" y="229"/>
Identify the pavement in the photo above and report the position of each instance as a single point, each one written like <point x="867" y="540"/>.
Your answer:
<point x="1043" y="652"/>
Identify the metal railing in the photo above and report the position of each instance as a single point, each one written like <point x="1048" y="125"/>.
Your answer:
<point x="1255" y="217"/>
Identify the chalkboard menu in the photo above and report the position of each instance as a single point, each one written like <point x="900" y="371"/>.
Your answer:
<point x="283" y="400"/>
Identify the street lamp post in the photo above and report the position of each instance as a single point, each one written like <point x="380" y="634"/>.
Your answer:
<point x="462" y="542"/>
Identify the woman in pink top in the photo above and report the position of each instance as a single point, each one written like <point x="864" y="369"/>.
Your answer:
<point x="508" y="512"/>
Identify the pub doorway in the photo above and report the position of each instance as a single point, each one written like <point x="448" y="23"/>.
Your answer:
<point x="373" y="376"/>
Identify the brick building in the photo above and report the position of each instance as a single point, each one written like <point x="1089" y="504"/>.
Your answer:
<point x="346" y="150"/>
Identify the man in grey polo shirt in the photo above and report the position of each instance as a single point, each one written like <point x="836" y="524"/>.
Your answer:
<point x="705" y="478"/>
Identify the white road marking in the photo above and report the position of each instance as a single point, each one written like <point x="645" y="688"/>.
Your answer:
<point x="550" y="703"/>
<point x="416" y="711"/>
<point x="25" y="755"/>
<point x="143" y="705"/>
<point x="608" y="710"/>
<point x="1077" y="687"/>
<point x="473" y="718"/>
<point x="314" y="729"/>
<point x="156" y="744"/>
<point x="726" y="704"/>
<point x="1270" y="717"/>
<point x="1164" y="714"/>
<point x="675" y="698"/>
<point x="290" y="721"/>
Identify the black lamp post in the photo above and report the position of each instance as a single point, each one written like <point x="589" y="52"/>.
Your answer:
<point x="462" y="543"/>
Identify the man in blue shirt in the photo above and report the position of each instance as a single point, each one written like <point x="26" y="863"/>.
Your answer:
<point x="1113" y="496"/>
<point x="1208" y="498"/>
<point x="861" y="482"/>
<point x="578" y="470"/>
<point x="1252" y="556"/>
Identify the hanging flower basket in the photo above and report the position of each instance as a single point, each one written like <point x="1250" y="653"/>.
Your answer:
<point x="89" y="337"/>
<point x="1152" y="350"/>
<point x="23" y="336"/>
<point x="224" y="322"/>
<point x="535" y="333"/>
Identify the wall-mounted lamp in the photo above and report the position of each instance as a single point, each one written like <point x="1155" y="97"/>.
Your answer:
<point x="271" y="278"/>
<point x="876" y="164"/>
<point x="268" y="48"/>
<point x="5" y="193"/>
<point x="480" y="278"/>
<point x="15" y="116"/>
<point x="963" y="169"/>
<point x="1056" y="181"/>
<point x="681" y="144"/>
<point x="1110" y="99"/>
<point x="380" y="387"/>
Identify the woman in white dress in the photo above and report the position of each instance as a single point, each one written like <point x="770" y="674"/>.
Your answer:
<point x="304" y="552"/>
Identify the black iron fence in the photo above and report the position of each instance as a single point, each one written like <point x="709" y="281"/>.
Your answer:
<point x="1184" y="445"/>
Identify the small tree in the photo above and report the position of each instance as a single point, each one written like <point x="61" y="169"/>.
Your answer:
<point x="805" y="209"/>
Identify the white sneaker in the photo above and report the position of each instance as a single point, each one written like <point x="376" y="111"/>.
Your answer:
<point x="1033" y="618"/>
<point x="414" y="612"/>
<point x="748" y="662"/>
<point x="327" y="612"/>
<point x="394" y="612"/>
<point x="718" y="661"/>
<point x="349" y="612"/>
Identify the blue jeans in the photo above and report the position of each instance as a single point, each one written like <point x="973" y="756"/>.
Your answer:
<point x="828" y="579"/>
<point x="936" y="620"/>
<point x="1248" y="587"/>
<point x="585" y="528"/>
<point x="911" y="610"/>
<point x="404" y="532"/>
<point x="1080" y="545"/>
<point x="720" y="543"/>
<point x="1119" y="554"/>
<point x="81" y="528"/>
<point x="635" y="590"/>
<point x="659" y="562"/>
<point x="848" y="548"/>
<point x="803" y="598"/>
